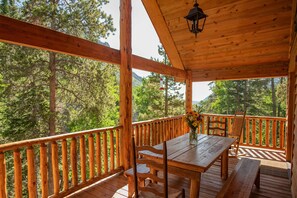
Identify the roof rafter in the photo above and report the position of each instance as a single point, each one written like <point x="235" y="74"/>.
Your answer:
<point x="154" y="12"/>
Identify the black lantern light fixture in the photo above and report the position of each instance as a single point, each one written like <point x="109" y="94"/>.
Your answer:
<point x="196" y="19"/>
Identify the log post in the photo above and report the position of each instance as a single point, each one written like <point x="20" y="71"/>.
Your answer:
<point x="3" y="190"/>
<point x="189" y="91"/>
<point x="290" y="114"/>
<point x="126" y="80"/>
<point x="17" y="173"/>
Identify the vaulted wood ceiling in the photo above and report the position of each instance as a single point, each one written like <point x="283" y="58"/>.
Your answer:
<point x="241" y="38"/>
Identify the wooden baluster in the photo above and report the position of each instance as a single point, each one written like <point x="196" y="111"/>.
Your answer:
<point x="267" y="133"/>
<point x="91" y="156"/>
<point x="17" y="173"/>
<point x="159" y="132"/>
<point x="274" y="133"/>
<point x="229" y="120"/>
<point x="168" y="135"/>
<point x="254" y="132"/>
<point x="98" y="154"/>
<point x="105" y="152"/>
<point x="144" y="134"/>
<point x="3" y="190"/>
<point x="65" y="165"/>
<point x="55" y="166"/>
<point x="118" y="147"/>
<point x="141" y="134"/>
<point x="111" y="151"/>
<point x="260" y="133"/>
<point x="137" y="135"/>
<point x="248" y="131"/>
<point x="282" y="135"/>
<point x="32" y="189"/>
<point x="73" y="158"/>
<point x="152" y="125"/>
<point x="43" y="170"/>
<point x="82" y="153"/>
<point x="149" y="134"/>
<point x="203" y="127"/>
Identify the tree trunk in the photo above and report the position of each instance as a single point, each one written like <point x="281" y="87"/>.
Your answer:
<point x="273" y="98"/>
<point x="245" y="95"/>
<point x="278" y="103"/>
<point x="52" y="117"/>
<point x="166" y="97"/>
<point x="52" y="88"/>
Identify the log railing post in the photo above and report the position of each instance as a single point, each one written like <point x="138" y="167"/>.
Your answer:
<point x="3" y="190"/>
<point x="290" y="114"/>
<point x="82" y="152"/>
<point x="55" y="165"/>
<point x="17" y="173"/>
<point x="32" y="189"/>
<point x="65" y="165"/>
<point x="43" y="170"/>
<point x="73" y="156"/>
<point x="126" y="80"/>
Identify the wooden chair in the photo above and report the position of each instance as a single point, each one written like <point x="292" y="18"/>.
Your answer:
<point x="158" y="185"/>
<point x="236" y="132"/>
<point x="217" y="127"/>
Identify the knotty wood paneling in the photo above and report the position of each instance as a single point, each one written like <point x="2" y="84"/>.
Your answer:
<point x="236" y="33"/>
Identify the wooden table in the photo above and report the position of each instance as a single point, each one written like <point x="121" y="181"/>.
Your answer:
<point x="190" y="161"/>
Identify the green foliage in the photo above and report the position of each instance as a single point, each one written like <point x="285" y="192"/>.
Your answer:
<point x="152" y="100"/>
<point x="86" y="91"/>
<point x="255" y="96"/>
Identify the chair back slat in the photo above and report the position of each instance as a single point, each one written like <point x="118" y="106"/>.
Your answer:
<point x="217" y="127"/>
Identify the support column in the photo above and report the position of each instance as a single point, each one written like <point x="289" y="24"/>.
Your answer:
<point x="189" y="91"/>
<point x="126" y="81"/>
<point x="290" y="113"/>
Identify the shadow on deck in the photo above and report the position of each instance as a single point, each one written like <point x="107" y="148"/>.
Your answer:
<point x="274" y="179"/>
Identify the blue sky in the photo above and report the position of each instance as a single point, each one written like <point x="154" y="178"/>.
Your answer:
<point x="145" y="41"/>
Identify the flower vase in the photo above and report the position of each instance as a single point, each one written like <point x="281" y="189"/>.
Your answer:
<point x="193" y="136"/>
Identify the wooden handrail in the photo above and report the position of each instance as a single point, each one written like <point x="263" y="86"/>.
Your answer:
<point x="24" y="143"/>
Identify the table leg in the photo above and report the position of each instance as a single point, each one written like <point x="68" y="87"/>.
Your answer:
<point x="195" y="187"/>
<point x="224" y="165"/>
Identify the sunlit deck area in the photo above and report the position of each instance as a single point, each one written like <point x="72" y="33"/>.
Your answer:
<point x="274" y="178"/>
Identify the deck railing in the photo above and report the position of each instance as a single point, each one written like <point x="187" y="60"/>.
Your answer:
<point x="77" y="160"/>
<point x="82" y="158"/>
<point x="259" y="131"/>
<point x="152" y="132"/>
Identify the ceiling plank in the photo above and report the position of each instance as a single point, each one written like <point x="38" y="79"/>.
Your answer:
<point x="25" y="34"/>
<point x="243" y="72"/>
<point x="161" y="28"/>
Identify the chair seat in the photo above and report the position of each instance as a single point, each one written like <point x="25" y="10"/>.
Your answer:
<point x="172" y="192"/>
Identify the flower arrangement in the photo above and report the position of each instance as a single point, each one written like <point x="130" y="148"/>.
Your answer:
<point x="193" y="119"/>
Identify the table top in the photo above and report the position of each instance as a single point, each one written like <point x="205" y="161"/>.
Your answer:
<point x="200" y="157"/>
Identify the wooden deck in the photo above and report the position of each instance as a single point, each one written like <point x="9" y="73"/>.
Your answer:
<point x="274" y="179"/>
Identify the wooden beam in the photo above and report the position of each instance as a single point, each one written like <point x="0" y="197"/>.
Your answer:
<point x="26" y="34"/>
<point x="155" y="14"/>
<point x="126" y="81"/>
<point x="153" y="66"/>
<point x="189" y="88"/>
<point x="243" y="72"/>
